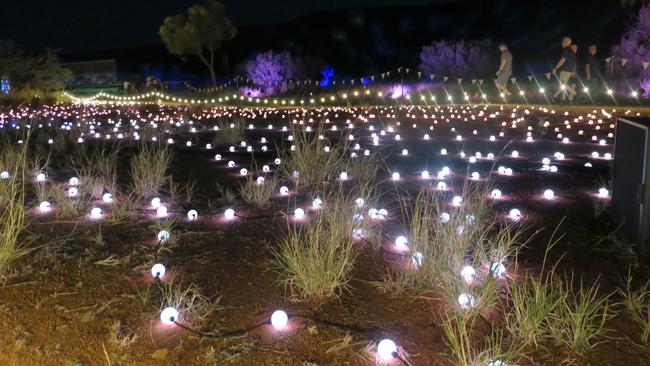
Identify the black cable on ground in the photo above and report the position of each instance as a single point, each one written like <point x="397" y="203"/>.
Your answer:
<point x="228" y="334"/>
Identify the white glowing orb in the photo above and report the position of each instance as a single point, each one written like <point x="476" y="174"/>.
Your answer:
<point x="229" y="213"/>
<point x="299" y="213"/>
<point x="107" y="197"/>
<point x="243" y="171"/>
<point x="40" y="177"/>
<point x="317" y="203"/>
<point x="496" y="194"/>
<point x="549" y="194"/>
<point x="395" y="176"/>
<point x="217" y="157"/>
<point x="496" y="363"/>
<point x="96" y="213"/>
<point x="284" y="190"/>
<point x="266" y="169"/>
<point x="74" y="181"/>
<point x="443" y="152"/>
<point x="468" y="273"/>
<point x="445" y="217"/>
<point x="603" y="193"/>
<point x="359" y="202"/>
<point x="442" y="186"/>
<point x="425" y="174"/>
<point x="400" y="243"/>
<point x="158" y="270"/>
<point x="457" y="200"/>
<point x="498" y="270"/>
<point x="475" y="176"/>
<point x="4" y="175"/>
<point x="163" y="235"/>
<point x="277" y="161"/>
<point x="515" y="154"/>
<point x="343" y="176"/>
<point x="515" y="214"/>
<point x="231" y="164"/>
<point x="44" y="206"/>
<point x="155" y="202"/>
<point x="279" y="319"/>
<point x="386" y="349"/>
<point x="73" y="192"/>
<point x="169" y="315"/>
<point x="192" y="215"/>
<point x="465" y="301"/>
<point x="417" y="259"/>
<point x="161" y="211"/>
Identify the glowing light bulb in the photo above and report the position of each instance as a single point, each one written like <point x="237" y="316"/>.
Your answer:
<point x="456" y="201"/>
<point x="163" y="235"/>
<point x="169" y="315"/>
<point x="96" y="213"/>
<point x="343" y="176"/>
<point x="515" y="214"/>
<point x="395" y="176"/>
<point x="284" y="190"/>
<point x="44" y="206"/>
<point x="192" y="215"/>
<point x="161" y="211"/>
<point x="155" y="202"/>
<point x="468" y="273"/>
<point x="217" y="157"/>
<point x="229" y="213"/>
<point x="417" y="258"/>
<point x="603" y="193"/>
<point x="231" y="164"/>
<point x="386" y="349"/>
<point x="266" y="169"/>
<point x="299" y="213"/>
<point x="317" y="203"/>
<point x="549" y="194"/>
<point x="74" y="181"/>
<point x="279" y="319"/>
<point x="40" y="177"/>
<point x="465" y="301"/>
<point x="400" y="243"/>
<point x="158" y="270"/>
<point x="442" y="186"/>
<point x="107" y="197"/>
<point x="73" y="192"/>
<point x="498" y="270"/>
<point x="496" y="194"/>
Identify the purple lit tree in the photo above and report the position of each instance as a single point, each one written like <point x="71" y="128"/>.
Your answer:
<point x="270" y="69"/>
<point x="635" y="47"/>
<point x="459" y="58"/>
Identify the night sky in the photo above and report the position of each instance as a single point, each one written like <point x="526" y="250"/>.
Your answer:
<point x="84" y="25"/>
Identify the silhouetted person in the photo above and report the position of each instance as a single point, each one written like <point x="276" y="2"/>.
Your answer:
<point x="567" y="67"/>
<point x="505" y="69"/>
<point x="593" y="69"/>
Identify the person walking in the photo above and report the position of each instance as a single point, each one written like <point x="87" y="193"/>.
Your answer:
<point x="505" y="70"/>
<point x="593" y="69"/>
<point x="567" y="67"/>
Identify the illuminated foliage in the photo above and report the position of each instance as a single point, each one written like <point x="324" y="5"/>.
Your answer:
<point x="459" y="58"/>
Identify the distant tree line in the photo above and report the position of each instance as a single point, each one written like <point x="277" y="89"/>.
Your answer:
<point x="27" y="73"/>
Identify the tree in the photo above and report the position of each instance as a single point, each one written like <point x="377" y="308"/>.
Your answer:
<point x="459" y="58"/>
<point x="270" y="69"/>
<point x="200" y="33"/>
<point x="26" y="71"/>
<point x="635" y="48"/>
